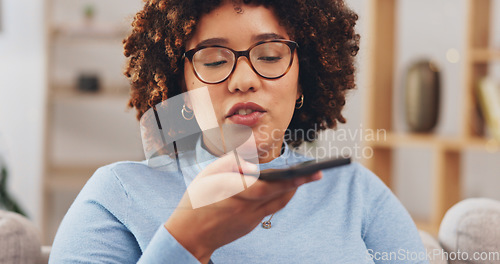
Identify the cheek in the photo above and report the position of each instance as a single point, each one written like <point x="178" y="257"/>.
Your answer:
<point x="289" y="92"/>
<point x="284" y="101"/>
<point x="191" y="82"/>
<point x="187" y="77"/>
<point x="288" y="101"/>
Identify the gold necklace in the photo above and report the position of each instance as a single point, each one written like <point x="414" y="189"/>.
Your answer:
<point x="267" y="224"/>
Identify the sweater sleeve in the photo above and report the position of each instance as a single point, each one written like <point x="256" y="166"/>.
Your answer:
<point x="164" y="247"/>
<point x="389" y="232"/>
<point x="94" y="229"/>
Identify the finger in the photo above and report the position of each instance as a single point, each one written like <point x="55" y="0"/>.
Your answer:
<point x="265" y="190"/>
<point x="210" y="189"/>
<point x="314" y="177"/>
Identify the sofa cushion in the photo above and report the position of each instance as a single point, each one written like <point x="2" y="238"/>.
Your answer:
<point x="433" y="248"/>
<point x="470" y="231"/>
<point x="19" y="239"/>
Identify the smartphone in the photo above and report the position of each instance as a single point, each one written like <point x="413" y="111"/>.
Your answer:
<point x="302" y="169"/>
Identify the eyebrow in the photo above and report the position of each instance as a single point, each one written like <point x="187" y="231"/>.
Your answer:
<point x="212" y="41"/>
<point x="266" y="36"/>
<point x="255" y="38"/>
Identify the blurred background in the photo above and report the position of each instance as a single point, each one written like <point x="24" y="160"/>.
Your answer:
<point x="414" y="118"/>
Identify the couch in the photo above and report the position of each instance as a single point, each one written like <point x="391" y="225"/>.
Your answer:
<point x="20" y="241"/>
<point x="469" y="233"/>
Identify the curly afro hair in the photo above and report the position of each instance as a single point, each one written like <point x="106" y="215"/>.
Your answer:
<point x="324" y="30"/>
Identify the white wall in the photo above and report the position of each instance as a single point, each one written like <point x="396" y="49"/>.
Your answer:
<point x="23" y="97"/>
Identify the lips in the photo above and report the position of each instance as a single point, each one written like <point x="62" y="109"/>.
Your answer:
<point x="244" y="109"/>
<point x="247" y="113"/>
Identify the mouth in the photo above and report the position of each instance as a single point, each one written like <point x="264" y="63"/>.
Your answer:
<point x="244" y="109"/>
<point x="248" y="114"/>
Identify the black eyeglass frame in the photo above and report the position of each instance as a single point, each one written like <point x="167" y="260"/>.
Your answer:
<point x="245" y="53"/>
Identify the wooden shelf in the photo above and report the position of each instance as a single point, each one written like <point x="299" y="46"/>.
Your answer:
<point x="393" y="140"/>
<point x="68" y="93"/>
<point x="90" y="30"/>
<point x="68" y="178"/>
<point x="485" y="55"/>
<point x="485" y="144"/>
<point x="83" y="130"/>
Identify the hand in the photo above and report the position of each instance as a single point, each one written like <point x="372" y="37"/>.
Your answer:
<point x="222" y="214"/>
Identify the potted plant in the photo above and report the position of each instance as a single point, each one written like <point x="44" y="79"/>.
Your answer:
<point x="6" y="200"/>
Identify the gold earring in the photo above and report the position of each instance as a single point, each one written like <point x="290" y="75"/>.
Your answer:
<point x="185" y="110"/>
<point x="299" y="103"/>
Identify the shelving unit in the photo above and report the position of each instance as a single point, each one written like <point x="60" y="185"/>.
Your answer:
<point x="447" y="151"/>
<point x="89" y="30"/>
<point x="85" y="130"/>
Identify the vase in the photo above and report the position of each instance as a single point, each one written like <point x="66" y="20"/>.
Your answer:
<point x="422" y="97"/>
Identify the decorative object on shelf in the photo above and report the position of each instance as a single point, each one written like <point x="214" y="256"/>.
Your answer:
<point x="488" y="95"/>
<point x="88" y="83"/>
<point x="422" y="96"/>
<point x="89" y="12"/>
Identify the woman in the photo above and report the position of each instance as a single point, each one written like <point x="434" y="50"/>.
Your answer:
<point x="294" y="76"/>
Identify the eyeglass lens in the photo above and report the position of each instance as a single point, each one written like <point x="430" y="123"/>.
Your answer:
<point x="270" y="60"/>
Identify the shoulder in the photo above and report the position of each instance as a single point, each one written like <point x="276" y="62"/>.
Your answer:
<point x="124" y="171"/>
<point x="116" y="172"/>
<point x="121" y="166"/>
<point x="367" y="177"/>
<point x="356" y="174"/>
<point x="119" y="179"/>
<point x="358" y="186"/>
<point x="108" y="180"/>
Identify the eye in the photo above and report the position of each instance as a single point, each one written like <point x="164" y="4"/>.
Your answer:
<point x="270" y="58"/>
<point x="213" y="57"/>
<point x="215" y="63"/>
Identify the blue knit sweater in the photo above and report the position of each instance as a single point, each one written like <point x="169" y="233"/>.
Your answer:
<point x="349" y="216"/>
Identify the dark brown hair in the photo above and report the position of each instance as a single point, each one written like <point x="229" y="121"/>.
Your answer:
<point x="324" y="30"/>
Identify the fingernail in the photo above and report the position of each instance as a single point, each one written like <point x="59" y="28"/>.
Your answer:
<point x="317" y="176"/>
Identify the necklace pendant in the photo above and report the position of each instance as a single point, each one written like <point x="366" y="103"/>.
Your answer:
<point x="266" y="224"/>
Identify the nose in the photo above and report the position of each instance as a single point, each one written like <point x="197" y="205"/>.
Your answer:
<point x="243" y="78"/>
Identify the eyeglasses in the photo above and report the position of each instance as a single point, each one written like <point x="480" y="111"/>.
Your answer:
<point x="270" y="59"/>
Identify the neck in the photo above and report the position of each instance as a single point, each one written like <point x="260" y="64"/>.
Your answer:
<point x="271" y="152"/>
<point x="266" y="154"/>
